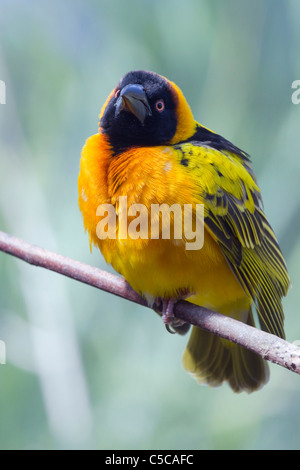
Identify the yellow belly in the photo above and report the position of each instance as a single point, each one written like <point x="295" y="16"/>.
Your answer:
<point x="154" y="268"/>
<point x="163" y="268"/>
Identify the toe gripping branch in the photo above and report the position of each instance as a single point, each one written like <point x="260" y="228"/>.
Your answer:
<point x="165" y="308"/>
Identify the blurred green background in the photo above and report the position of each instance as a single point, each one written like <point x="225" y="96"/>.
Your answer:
<point x="85" y="369"/>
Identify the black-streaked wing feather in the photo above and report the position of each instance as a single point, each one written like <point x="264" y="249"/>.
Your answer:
<point x="234" y="217"/>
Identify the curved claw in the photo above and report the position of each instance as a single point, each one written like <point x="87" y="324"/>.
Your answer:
<point x="170" y="330"/>
<point x="172" y="324"/>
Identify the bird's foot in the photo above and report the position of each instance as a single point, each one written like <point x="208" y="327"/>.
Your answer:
<point x="172" y="324"/>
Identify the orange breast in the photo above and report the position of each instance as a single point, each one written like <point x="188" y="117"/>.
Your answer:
<point x="159" y="268"/>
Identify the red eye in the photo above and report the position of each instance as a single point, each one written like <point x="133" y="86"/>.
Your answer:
<point x="117" y="93"/>
<point x="160" y="105"/>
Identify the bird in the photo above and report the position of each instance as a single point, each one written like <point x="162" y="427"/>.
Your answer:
<point x="151" y="150"/>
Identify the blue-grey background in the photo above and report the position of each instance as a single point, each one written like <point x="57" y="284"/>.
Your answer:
<point x="85" y="369"/>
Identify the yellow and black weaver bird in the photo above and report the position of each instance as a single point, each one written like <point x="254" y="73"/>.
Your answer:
<point x="150" y="148"/>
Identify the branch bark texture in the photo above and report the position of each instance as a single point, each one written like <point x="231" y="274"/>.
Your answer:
<point x="268" y="346"/>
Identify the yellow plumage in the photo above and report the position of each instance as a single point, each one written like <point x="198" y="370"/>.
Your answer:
<point x="240" y="264"/>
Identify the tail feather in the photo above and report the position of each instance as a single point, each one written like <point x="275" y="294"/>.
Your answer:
<point x="249" y="371"/>
<point x="213" y="360"/>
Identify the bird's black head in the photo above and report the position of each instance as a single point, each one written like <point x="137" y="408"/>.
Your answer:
<point x="141" y="111"/>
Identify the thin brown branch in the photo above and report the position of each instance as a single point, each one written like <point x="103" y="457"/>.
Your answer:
<point x="268" y="346"/>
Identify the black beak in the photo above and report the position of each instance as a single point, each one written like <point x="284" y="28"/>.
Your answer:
<point x="133" y="98"/>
